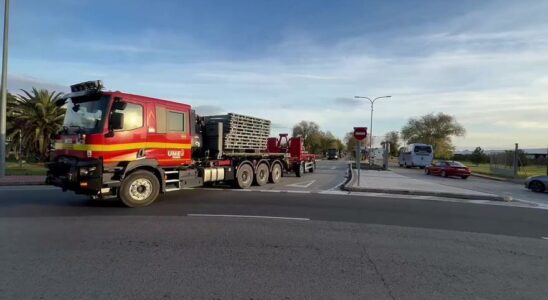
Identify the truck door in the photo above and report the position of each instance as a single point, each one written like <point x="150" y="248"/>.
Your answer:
<point x="171" y="142"/>
<point x="128" y="143"/>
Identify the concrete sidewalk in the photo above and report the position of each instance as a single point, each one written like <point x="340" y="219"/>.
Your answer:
<point x="22" y="180"/>
<point x="392" y="183"/>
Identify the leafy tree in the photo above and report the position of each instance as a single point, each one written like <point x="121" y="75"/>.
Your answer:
<point x="434" y="129"/>
<point x="393" y="138"/>
<point x="309" y="131"/>
<point x="35" y="116"/>
<point x="478" y="156"/>
<point x="315" y="140"/>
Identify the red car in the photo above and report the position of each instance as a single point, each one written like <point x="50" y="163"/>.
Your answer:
<point x="448" y="168"/>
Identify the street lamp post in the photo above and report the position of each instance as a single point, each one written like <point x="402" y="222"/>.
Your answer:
<point x="3" y="91"/>
<point x="371" y="125"/>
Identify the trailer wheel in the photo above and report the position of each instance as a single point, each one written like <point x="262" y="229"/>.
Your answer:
<point x="299" y="170"/>
<point x="261" y="175"/>
<point x="311" y="169"/>
<point x="244" y="176"/>
<point x="139" y="189"/>
<point x="276" y="174"/>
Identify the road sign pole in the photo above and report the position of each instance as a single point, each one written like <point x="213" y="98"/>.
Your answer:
<point x="360" y="133"/>
<point x="358" y="159"/>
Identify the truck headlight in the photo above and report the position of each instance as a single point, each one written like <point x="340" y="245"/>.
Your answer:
<point x="86" y="170"/>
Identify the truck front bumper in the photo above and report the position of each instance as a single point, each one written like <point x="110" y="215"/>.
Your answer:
<point x="80" y="176"/>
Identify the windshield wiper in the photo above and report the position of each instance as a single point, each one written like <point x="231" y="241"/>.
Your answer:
<point x="79" y="128"/>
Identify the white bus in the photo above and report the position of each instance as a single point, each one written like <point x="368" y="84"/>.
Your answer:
<point x="416" y="155"/>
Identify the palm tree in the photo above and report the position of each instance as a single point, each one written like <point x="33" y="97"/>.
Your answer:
<point x="35" y="116"/>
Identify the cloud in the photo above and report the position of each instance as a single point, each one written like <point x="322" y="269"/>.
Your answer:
<point x="208" y="110"/>
<point x="486" y="67"/>
<point x="17" y="83"/>
<point x="348" y="101"/>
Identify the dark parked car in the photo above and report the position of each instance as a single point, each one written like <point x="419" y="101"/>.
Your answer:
<point x="448" y="168"/>
<point x="537" y="183"/>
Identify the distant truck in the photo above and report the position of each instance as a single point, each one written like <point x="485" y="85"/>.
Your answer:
<point x="332" y="154"/>
<point x="416" y="155"/>
<point x="130" y="147"/>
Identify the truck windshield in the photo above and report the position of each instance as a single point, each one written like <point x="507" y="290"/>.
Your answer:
<point x="86" y="114"/>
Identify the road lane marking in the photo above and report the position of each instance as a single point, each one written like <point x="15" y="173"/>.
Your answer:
<point x="249" y="216"/>
<point x="303" y="184"/>
<point x="544" y="237"/>
<point x="333" y="168"/>
<point x="337" y="186"/>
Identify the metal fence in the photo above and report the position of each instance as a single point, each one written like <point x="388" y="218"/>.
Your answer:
<point x="518" y="163"/>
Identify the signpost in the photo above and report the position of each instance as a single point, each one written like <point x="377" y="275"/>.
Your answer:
<point x="360" y="133"/>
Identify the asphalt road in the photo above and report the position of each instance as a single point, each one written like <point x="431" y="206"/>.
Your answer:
<point x="217" y="244"/>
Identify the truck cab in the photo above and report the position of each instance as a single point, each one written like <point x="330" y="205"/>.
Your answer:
<point x="332" y="153"/>
<point x="106" y="135"/>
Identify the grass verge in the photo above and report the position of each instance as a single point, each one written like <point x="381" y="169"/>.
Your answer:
<point x="13" y="169"/>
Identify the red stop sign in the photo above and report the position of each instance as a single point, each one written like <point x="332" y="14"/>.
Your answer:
<point x="360" y="133"/>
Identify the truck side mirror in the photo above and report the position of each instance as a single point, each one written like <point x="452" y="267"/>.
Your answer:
<point x="116" y="121"/>
<point x="119" y="105"/>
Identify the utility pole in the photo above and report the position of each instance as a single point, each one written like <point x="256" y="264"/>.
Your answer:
<point x="3" y="91"/>
<point x="371" y="125"/>
<point x="516" y="161"/>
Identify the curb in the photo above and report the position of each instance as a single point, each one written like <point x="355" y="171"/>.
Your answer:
<point x="349" y="188"/>
<point x="19" y="183"/>
<point x="517" y="181"/>
<point x="349" y="177"/>
<point x="22" y="181"/>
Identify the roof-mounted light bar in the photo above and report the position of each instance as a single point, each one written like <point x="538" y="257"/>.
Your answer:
<point x="94" y="85"/>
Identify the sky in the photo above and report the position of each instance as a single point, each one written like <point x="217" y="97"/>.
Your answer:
<point x="484" y="62"/>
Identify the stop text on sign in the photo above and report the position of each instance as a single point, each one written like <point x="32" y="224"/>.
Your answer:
<point x="360" y="133"/>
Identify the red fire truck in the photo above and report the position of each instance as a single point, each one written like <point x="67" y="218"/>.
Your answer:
<point x="132" y="147"/>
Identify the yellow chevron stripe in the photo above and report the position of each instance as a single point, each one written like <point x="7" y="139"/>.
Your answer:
<point x="118" y="147"/>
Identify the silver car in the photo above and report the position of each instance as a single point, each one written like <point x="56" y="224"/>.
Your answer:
<point x="537" y="184"/>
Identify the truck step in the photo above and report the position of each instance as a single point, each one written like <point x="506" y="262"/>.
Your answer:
<point x="172" y="189"/>
<point x="172" y="180"/>
<point x="171" y="172"/>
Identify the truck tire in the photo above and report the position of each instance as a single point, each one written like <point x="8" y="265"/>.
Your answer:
<point x="276" y="173"/>
<point x="299" y="170"/>
<point x="261" y="174"/>
<point x="244" y="176"/>
<point x="139" y="189"/>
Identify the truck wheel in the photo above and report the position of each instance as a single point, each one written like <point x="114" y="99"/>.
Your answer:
<point x="299" y="170"/>
<point x="261" y="175"/>
<point x="139" y="189"/>
<point x="276" y="174"/>
<point x="244" y="176"/>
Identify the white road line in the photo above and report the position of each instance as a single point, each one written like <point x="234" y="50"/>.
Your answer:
<point x="303" y="184"/>
<point x="337" y="186"/>
<point x="544" y="237"/>
<point x="248" y="216"/>
<point x="333" y="168"/>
